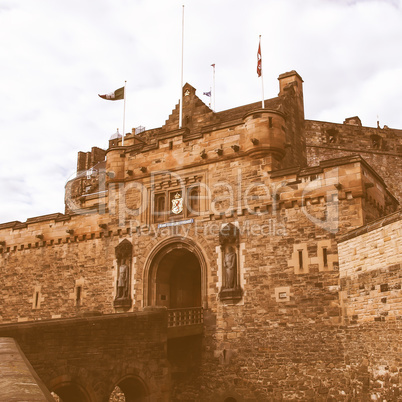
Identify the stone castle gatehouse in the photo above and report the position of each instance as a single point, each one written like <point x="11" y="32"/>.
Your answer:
<point x="268" y="245"/>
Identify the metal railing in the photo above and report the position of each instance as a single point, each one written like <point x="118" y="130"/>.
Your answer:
<point x="185" y="316"/>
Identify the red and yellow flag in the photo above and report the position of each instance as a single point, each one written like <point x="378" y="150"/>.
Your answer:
<point x="259" y="60"/>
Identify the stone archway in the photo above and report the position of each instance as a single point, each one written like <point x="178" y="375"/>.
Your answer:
<point x="175" y="275"/>
<point x="70" y="391"/>
<point x="74" y="385"/>
<point x="177" y="281"/>
<point x="131" y="389"/>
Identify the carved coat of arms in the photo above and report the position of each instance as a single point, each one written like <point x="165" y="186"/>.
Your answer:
<point x="177" y="204"/>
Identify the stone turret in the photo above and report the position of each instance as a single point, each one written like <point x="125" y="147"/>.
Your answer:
<point x="265" y="133"/>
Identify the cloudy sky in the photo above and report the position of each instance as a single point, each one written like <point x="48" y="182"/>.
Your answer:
<point x="56" y="56"/>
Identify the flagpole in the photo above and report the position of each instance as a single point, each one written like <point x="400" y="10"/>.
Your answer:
<point x="213" y="66"/>
<point x="181" y="78"/>
<point x="262" y="80"/>
<point x="124" y="115"/>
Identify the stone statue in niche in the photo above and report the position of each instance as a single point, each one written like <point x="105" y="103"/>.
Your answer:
<point x="230" y="268"/>
<point x="122" y="282"/>
<point x="231" y="291"/>
<point x="124" y="254"/>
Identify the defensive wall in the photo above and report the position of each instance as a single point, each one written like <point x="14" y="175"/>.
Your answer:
<point x="84" y="359"/>
<point x="380" y="147"/>
<point x="371" y="275"/>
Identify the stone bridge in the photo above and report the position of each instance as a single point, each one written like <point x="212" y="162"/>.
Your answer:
<point x="84" y="359"/>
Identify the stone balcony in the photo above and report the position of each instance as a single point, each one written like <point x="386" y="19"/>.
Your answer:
<point x="185" y="322"/>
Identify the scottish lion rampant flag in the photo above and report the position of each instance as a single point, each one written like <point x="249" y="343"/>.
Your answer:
<point x="116" y="95"/>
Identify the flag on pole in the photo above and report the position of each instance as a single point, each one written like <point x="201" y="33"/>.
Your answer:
<point x="259" y="60"/>
<point x="213" y="67"/>
<point x="116" y="95"/>
<point x="259" y="71"/>
<point x="207" y="93"/>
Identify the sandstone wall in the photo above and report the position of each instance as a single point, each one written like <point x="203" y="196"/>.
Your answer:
<point x="381" y="148"/>
<point x="40" y="277"/>
<point x="97" y="353"/>
<point x="62" y="265"/>
<point x="371" y="274"/>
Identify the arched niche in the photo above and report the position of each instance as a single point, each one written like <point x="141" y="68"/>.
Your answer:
<point x="229" y="239"/>
<point x="124" y="257"/>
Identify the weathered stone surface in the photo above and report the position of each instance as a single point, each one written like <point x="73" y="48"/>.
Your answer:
<point x="18" y="380"/>
<point x="94" y="354"/>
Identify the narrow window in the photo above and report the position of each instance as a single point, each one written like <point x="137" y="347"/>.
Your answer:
<point x="325" y="256"/>
<point x="161" y="204"/>
<point x="270" y="122"/>
<point x="36" y="299"/>
<point x="332" y="136"/>
<point x="376" y="141"/>
<point x="159" y="209"/>
<point x="170" y="144"/>
<point x="194" y="201"/>
<point x="384" y="287"/>
<point x="300" y="259"/>
<point x="78" y="298"/>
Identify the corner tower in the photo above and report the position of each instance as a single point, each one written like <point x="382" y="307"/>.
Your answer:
<point x="276" y="131"/>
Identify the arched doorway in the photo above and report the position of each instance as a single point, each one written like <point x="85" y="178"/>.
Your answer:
<point x="129" y="389"/>
<point x="174" y="276"/>
<point x="71" y="392"/>
<point x="178" y="280"/>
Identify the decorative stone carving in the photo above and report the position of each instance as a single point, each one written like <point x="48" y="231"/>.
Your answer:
<point x="122" y="282"/>
<point x="230" y="268"/>
<point x="229" y="240"/>
<point x="124" y="257"/>
<point x="229" y="234"/>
